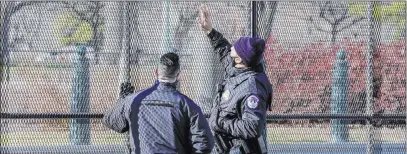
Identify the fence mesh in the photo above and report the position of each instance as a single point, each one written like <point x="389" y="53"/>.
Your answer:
<point x="124" y="40"/>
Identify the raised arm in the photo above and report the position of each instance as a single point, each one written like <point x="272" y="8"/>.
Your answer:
<point x="115" y="117"/>
<point x="219" y="43"/>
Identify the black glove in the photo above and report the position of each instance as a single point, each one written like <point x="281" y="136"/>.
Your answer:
<point x="125" y="89"/>
<point x="213" y="119"/>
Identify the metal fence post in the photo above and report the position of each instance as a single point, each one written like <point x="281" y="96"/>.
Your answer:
<point x="167" y="26"/>
<point x="254" y="28"/>
<point x="254" y="19"/>
<point x="126" y="43"/>
<point x="125" y="52"/>
<point x="339" y="98"/>
<point x="369" y="83"/>
<point x="79" y="129"/>
<point x="5" y="55"/>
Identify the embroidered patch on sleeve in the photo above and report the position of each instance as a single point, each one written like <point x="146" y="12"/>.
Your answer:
<point x="252" y="101"/>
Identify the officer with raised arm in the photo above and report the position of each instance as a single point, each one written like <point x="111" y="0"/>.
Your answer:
<point x="238" y="116"/>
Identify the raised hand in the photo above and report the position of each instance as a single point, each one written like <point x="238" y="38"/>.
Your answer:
<point x="204" y="20"/>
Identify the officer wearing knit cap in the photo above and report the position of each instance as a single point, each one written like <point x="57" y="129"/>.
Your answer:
<point x="250" y="50"/>
<point x="238" y="115"/>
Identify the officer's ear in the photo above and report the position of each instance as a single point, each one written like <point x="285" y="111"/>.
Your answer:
<point x="238" y="60"/>
<point x="156" y="73"/>
<point x="178" y="75"/>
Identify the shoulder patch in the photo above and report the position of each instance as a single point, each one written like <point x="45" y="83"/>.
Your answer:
<point x="252" y="101"/>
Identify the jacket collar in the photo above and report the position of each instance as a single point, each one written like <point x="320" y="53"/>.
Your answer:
<point x="167" y="86"/>
<point x="238" y="71"/>
<point x="240" y="76"/>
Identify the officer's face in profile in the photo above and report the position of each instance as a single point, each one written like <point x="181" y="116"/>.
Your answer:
<point x="237" y="61"/>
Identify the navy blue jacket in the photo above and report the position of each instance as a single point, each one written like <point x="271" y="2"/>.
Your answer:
<point x="246" y="96"/>
<point x="166" y="122"/>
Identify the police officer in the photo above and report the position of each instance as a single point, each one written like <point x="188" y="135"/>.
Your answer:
<point x="160" y="119"/>
<point x="238" y="117"/>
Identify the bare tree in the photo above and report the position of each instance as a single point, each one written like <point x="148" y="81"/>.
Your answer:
<point x="337" y="15"/>
<point x="7" y="11"/>
<point x="90" y="12"/>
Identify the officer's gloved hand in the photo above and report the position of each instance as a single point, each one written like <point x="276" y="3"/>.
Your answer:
<point x="125" y="89"/>
<point x="213" y="119"/>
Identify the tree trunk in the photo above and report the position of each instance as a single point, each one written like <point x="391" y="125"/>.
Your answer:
<point x="334" y="34"/>
<point x="5" y="18"/>
<point x="5" y="59"/>
<point x="6" y="8"/>
<point x="96" y="33"/>
<point x="377" y="64"/>
<point x="95" y="43"/>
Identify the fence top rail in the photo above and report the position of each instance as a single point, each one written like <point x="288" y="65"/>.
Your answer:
<point x="269" y="116"/>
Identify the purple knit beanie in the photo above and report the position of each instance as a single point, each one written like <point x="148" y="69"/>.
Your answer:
<point x="250" y="49"/>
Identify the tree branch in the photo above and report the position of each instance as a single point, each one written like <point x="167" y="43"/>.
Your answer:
<point x="344" y="17"/>
<point x="322" y="13"/>
<point x="346" y="12"/>
<point x="95" y="13"/>
<point x="98" y="20"/>
<point x="316" y="26"/>
<point x="79" y="14"/>
<point x="20" y="5"/>
<point x="353" y="23"/>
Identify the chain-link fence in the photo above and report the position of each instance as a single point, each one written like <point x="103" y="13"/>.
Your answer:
<point x="345" y="58"/>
